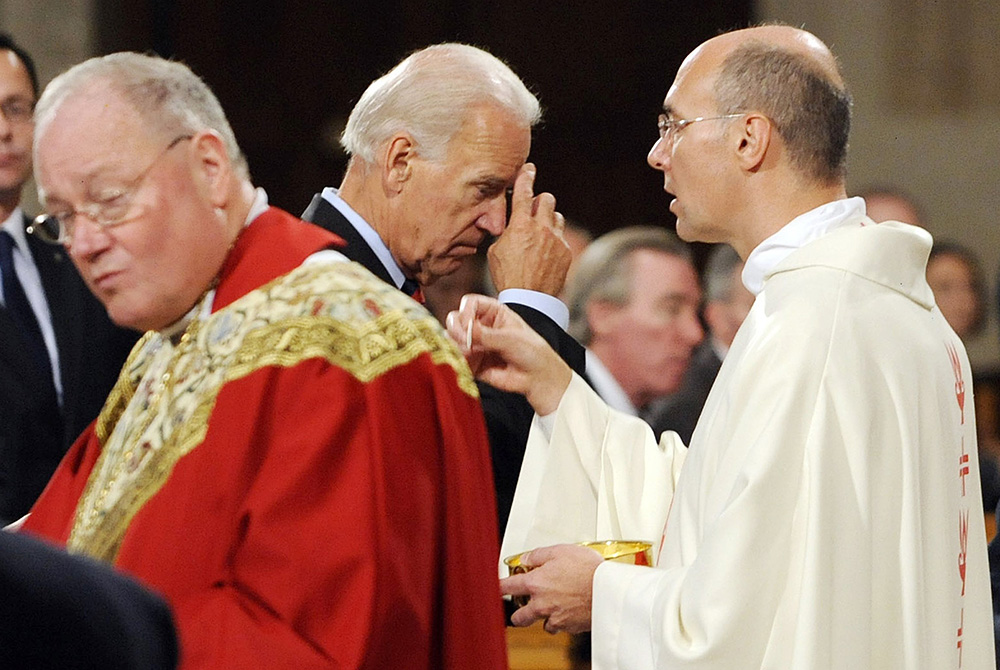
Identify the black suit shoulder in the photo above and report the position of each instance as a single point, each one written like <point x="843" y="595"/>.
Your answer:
<point x="568" y="348"/>
<point x="69" y="612"/>
<point x="326" y="216"/>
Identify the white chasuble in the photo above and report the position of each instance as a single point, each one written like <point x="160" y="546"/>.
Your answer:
<point x="828" y="514"/>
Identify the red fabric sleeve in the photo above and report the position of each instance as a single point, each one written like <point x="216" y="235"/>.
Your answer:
<point x="52" y="514"/>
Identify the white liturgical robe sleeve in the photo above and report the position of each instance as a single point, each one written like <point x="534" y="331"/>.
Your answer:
<point x="600" y="476"/>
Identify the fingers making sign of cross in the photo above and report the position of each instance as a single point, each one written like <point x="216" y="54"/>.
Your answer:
<point x="531" y="253"/>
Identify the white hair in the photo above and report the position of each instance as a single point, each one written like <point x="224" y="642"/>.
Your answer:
<point x="168" y="96"/>
<point x="428" y="95"/>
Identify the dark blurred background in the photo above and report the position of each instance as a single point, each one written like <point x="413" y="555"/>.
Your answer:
<point x="288" y="73"/>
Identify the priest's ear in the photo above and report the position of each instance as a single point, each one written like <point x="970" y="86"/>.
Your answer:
<point x="753" y="141"/>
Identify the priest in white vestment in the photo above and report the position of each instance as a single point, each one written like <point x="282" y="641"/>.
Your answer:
<point x="827" y="513"/>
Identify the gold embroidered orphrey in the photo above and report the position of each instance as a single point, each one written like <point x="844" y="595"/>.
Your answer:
<point x="158" y="411"/>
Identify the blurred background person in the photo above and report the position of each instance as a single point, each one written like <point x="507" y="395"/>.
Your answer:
<point x="890" y="203"/>
<point x="956" y="277"/>
<point x="577" y="238"/>
<point x="727" y="302"/>
<point x="59" y="352"/>
<point x="634" y="304"/>
<point x="633" y="299"/>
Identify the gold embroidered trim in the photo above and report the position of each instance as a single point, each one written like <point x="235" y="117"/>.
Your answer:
<point x="366" y="351"/>
<point x="122" y="392"/>
<point x="160" y="407"/>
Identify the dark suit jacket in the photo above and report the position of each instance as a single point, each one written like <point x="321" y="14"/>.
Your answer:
<point x="680" y="410"/>
<point x="34" y="433"/>
<point x="69" y="612"/>
<point x="508" y="415"/>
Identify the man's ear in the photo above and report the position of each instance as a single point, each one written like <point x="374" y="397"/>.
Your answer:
<point x="213" y="165"/>
<point x="397" y="166"/>
<point x="754" y="141"/>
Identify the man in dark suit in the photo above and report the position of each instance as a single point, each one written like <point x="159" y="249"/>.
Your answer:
<point x="71" y="612"/>
<point x="59" y="353"/>
<point x="727" y="303"/>
<point x="435" y="145"/>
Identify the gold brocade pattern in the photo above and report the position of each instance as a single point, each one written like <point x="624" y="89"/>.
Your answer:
<point x="159" y="409"/>
<point x="121" y="394"/>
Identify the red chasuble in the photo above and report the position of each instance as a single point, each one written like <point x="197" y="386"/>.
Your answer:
<point x="304" y="474"/>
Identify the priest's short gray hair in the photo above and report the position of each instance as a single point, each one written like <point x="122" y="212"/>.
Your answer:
<point x="428" y="95"/>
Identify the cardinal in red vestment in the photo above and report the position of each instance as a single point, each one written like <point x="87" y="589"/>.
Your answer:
<point x="294" y="455"/>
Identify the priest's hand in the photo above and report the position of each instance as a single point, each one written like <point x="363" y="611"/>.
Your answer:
<point x="560" y="585"/>
<point x="505" y="352"/>
<point x="531" y="253"/>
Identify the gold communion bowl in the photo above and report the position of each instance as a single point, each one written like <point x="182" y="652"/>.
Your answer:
<point x="633" y="552"/>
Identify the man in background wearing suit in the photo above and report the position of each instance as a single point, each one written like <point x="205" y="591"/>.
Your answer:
<point x="59" y="352"/>
<point x="727" y="303"/>
<point x="435" y="146"/>
<point x="633" y="303"/>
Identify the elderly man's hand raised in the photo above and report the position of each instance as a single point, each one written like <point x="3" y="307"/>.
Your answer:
<point x="531" y="253"/>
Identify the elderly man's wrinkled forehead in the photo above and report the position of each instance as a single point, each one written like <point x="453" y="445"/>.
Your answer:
<point x="102" y="107"/>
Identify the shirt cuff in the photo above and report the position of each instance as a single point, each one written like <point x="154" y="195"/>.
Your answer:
<point x="548" y="305"/>
<point x="546" y="424"/>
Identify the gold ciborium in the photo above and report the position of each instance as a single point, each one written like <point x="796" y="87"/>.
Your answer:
<point x="633" y="552"/>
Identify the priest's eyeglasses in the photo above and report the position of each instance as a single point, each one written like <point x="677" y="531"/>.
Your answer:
<point x="111" y="209"/>
<point x="670" y="127"/>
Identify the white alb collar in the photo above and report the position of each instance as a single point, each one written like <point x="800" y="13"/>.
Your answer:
<point x="796" y="233"/>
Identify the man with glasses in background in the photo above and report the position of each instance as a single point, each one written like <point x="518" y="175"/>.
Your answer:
<point x="251" y="464"/>
<point x="59" y="352"/>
